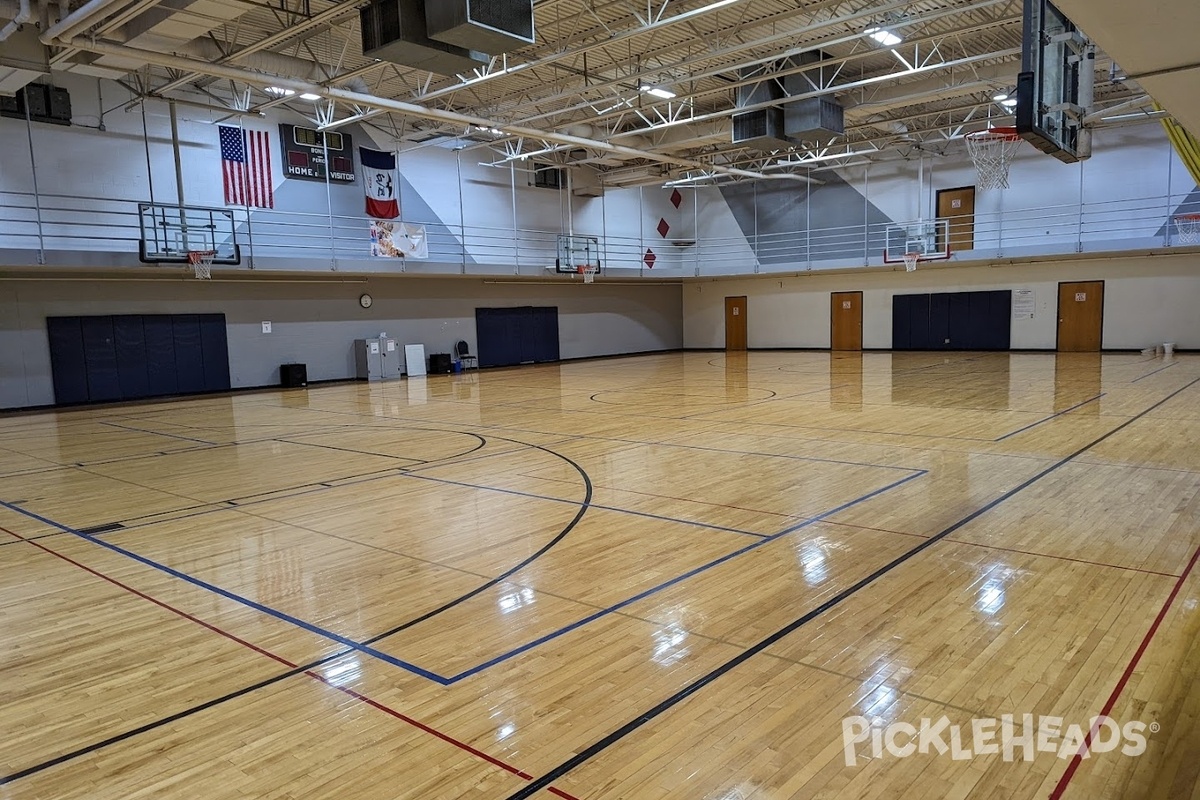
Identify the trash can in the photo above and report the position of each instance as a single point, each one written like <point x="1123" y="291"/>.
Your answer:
<point x="440" y="363"/>
<point x="292" y="376"/>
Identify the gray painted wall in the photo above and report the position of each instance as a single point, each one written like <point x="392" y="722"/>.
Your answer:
<point x="316" y="323"/>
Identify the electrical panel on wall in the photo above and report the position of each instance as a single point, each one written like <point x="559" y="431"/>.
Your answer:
<point x="43" y="104"/>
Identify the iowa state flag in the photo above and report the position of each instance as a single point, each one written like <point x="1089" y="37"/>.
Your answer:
<point x="379" y="178"/>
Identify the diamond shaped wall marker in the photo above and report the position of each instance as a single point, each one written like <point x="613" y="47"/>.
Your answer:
<point x="663" y="228"/>
<point x="649" y="258"/>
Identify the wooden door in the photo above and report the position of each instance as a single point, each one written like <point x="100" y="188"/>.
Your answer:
<point x="735" y="323"/>
<point x="845" y="314"/>
<point x="958" y="206"/>
<point x="1080" y="316"/>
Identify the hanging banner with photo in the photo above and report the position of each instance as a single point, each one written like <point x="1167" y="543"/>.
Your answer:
<point x="398" y="240"/>
<point x="379" y="182"/>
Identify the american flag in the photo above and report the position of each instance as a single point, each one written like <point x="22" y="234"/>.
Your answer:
<point x="246" y="167"/>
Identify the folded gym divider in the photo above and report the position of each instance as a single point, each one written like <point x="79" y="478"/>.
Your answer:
<point x="952" y="321"/>
<point x="523" y="335"/>
<point x="134" y="356"/>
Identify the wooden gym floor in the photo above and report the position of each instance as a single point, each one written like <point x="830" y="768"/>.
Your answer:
<point x="651" y="577"/>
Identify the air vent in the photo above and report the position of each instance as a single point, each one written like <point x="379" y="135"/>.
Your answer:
<point x="761" y="129"/>
<point x="395" y="31"/>
<point x="44" y="104"/>
<point x="490" y="26"/>
<point x="814" y="119"/>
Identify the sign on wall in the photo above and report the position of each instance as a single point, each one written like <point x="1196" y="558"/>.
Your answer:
<point x="1023" y="304"/>
<point x="304" y="154"/>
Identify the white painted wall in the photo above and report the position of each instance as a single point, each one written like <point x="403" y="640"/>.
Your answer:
<point x="1147" y="300"/>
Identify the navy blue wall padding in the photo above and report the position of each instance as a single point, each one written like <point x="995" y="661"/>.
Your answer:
<point x="132" y="373"/>
<point x="214" y="347"/>
<point x="545" y="333"/>
<point x="952" y="321"/>
<point x="523" y="335"/>
<point x="160" y="354"/>
<point x="67" y="364"/>
<point x="100" y="352"/>
<point x="189" y="360"/>
<point x="132" y="356"/>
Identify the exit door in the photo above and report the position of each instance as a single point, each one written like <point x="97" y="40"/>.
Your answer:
<point x="735" y="323"/>
<point x="845" y="320"/>
<point x="1080" y="316"/>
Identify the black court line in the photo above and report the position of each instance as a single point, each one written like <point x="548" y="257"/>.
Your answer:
<point x="108" y="527"/>
<point x="1052" y="416"/>
<point x="1155" y="372"/>
<point x="641" y="720"/>
<point x="584" y="505"/>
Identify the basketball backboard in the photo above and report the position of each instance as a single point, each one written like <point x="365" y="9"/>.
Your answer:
<point x="1054" y="88"/>
<point x="928" y="238"/>
<point x="577" y="253"/>
<point x="169" y="233"/>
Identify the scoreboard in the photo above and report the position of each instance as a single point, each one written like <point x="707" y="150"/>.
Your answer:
<point x="304" y="154"/>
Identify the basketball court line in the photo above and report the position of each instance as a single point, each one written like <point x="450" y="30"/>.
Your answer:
<point x="295" y="670"/>
<point x="587" y="753"/>
<point x="1155" y="372"/>
<point x="159" y="433"/>
<point x="1052" y="416"/>
<point x="675" y="580"/>
<point x="1010" y="549"/>
<point x="1077" y="759"/>
<point x="365" y="645"/>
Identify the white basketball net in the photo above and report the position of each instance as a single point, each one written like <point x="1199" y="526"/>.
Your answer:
<point x="588" y="272"/>
<point x="1187" y="226"/>
<point x="992" y="151"/>
<point x="910" y="261"/>
<point x="201" y="261"/>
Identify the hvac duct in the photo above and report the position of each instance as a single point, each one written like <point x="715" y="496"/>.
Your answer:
<point x="22" y="60"/>
<point x="489" y="26"/>
<point x="269" y="63"/>
<point x="395" y="31"/>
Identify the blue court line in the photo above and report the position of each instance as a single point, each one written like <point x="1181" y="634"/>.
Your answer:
<point x="673" y="581"/>
<point x="1052" y="416"/>
<point x="308" y="626"/>
<point x="428" y="674"/>
<point x="1155" y="372"/>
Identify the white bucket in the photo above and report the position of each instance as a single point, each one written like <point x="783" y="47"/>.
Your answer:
<point x="1168" y="349"/>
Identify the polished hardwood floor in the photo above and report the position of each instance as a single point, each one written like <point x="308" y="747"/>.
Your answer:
<point x="669" y="576"/>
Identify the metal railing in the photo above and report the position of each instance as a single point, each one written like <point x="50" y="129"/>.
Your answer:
<point x="319" y="240"/>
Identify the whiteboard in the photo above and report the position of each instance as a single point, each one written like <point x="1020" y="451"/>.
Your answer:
<point x="414" y="359"/>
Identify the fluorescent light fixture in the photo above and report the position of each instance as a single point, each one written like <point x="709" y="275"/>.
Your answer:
<point x="1009" y="103"/>
<point x="658" y="91"/>
<point x="715" y="5"/>
<point x="883" y="36"/>
<point x="310" y="96"/>
<point x="278" y="92"/>
<point x="1000" y="98"/>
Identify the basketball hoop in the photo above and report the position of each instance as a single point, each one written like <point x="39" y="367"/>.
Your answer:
<point x="588" y="272"/>
<point x="201" y="262"/>
<point x="910" y="261"/>
<point x="1187" y="227"/>
<point x="992" y="152"/>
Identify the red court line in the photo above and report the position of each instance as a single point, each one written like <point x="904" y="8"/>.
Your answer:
<point x="315" y="675"/>
<point x="1116" y="692"/>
